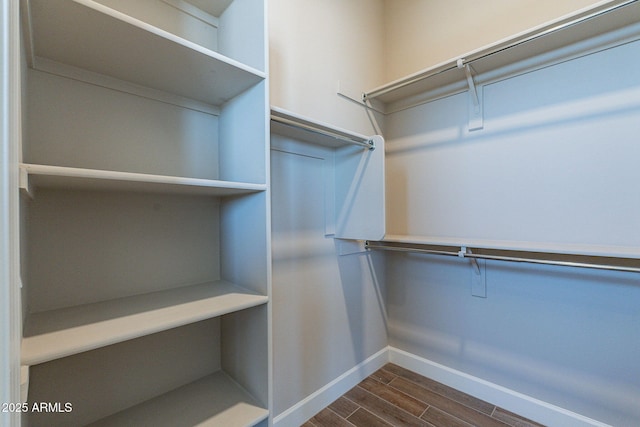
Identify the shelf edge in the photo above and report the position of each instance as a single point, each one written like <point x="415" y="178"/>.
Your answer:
<point x="219" y="389"/>
<point x="159" y="32"/>
<point x="141" y="320"/>
<point x="107" y="177"/>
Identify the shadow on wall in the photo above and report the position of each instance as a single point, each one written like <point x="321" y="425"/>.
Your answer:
<point x="564" y="336"/>
<point x="364" y="291"/>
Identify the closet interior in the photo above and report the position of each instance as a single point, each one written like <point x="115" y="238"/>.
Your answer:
<point x="193" y="253"/>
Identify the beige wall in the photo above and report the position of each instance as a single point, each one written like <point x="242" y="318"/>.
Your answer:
<point x="316" y="43"/>
<point x="421" y="33"/>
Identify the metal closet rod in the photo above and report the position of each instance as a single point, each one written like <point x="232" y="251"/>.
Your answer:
<point x="464" y="253"/>
<point x="480" y="55"/>
<point x="367" y="143"/>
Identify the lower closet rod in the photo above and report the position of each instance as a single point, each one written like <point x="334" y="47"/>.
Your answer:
<point x="465" y="254"/>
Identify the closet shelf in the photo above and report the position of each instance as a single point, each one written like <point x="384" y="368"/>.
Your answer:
<point x="90" y="36"/>
<point x="47" y="176"/>
<point x="296" y="126"/>
<point x="578" y="34"/>
<point x="58" y="333"/>
<point x="215" y="400"/>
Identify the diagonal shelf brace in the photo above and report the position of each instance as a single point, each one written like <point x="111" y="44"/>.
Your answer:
<point x="476" y="116"/>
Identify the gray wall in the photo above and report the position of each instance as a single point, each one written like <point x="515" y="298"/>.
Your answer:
<point x="328" y="310"/>
<point x="565" y="336"/>
<point x="555" y="167"/>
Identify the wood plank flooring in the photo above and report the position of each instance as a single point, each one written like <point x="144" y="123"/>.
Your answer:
<point x="394" y="396"/>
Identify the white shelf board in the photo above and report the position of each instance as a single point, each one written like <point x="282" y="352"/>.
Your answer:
<point x="215" y="400"/>
<point x="88" y="35"/>
<point x="296" y="126"/>
<point x="47" y="176"/>
<point x="537" y="47"/>
<point x="58" y="333"/>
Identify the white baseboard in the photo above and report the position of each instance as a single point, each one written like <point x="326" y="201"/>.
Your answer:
<point x="510" y="400"/>
<point x="314" y="403"/>
<point x="527" y="406"/>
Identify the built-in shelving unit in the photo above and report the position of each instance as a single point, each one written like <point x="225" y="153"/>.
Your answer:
<point x="144" y="211"/>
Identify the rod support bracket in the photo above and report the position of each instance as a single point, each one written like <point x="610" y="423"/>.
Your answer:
<point x="478" y="276"/>
<point x="24" y="382"/>
<point x="476" y="114"/>
<point x="463" y="252"/>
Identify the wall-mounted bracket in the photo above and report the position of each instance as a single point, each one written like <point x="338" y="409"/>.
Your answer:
<point x="23" y="182"/>
<point x="478" y="273"/>
<point x="463" y="254"/>
<point x="24" y="382"/>
<point x="476" y="116"/>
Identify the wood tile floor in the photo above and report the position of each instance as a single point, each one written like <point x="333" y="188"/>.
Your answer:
<point x="394" y="396"/>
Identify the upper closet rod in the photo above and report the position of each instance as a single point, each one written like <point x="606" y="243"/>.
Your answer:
<point x="464" y="253"/>
<point x="367" y="143"/>
<point x="297" y="121"/>
<point x="472" y="57"/>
